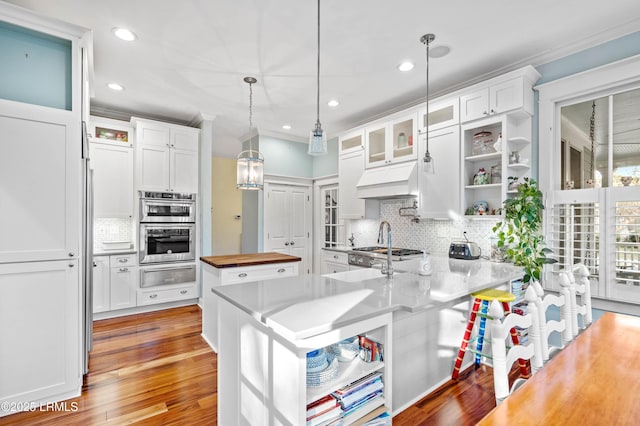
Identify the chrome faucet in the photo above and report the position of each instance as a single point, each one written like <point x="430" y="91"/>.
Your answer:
<point x="386" y="269"/>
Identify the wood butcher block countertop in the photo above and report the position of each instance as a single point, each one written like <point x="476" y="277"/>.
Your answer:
<point x="235" y="260"/>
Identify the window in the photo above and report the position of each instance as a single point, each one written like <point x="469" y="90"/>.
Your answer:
<point x="593" y="196"/>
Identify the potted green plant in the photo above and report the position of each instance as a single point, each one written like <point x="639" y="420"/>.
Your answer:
<point x="520" y="232"/>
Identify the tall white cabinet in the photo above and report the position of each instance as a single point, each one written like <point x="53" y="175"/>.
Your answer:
<point x="40" y="219"/>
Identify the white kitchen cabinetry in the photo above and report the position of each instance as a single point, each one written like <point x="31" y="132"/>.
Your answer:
<point x="112" y="180"/>
<point x="334" y="261"/>
<point x="40" y="175"/>
<point x="166" y="157"/>
<point x="287" y="222"/>
<point x="41" y="216"/>
<point x="511" y="93"/>
<point x="350" y="169"/>
<point x="443" y="113"/>
<point x="391" y="142"/>
<point x="214" y="277"/>
<point x="124" y="281"/>
<point x="101" y="284"/>
<point x="439" y="192"/>
<point x="350" y="142"/>
<point x="115" y="281"/>
<point x="40" y="332"/>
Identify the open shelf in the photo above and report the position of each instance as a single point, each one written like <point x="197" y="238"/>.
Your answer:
<point x="517" y="143"/>
<point x="484" y="157"/>
<point x="485" y="186"/>
<point x="348" y="372"/>
<point x="519" y="166"/>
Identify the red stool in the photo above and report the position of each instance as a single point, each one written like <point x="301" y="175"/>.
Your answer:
<point x="483" y="298"/>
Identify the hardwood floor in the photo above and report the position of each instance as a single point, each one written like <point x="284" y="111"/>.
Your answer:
<point x="155" y="369"/>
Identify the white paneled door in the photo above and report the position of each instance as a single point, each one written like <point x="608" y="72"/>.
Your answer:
<point x="287" y="222"/>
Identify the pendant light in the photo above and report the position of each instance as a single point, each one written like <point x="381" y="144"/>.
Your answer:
<point x="427" y="160"/>
<point x="250" y="165"/>
<point x="317" y="136"/>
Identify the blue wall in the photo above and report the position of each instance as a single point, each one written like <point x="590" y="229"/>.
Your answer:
<point x="289" y="158"/>
<point x="34" y="67"/>
<point x="285" y="158"/>
<point x="596" y="56"/>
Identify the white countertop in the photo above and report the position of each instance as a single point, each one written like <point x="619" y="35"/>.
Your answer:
<point x="304" y="306"/>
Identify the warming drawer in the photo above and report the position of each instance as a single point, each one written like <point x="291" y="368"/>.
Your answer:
<point x="160" y="276"/>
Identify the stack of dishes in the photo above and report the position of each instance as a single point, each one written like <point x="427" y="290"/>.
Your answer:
<point x="346" y="349"/>
<point x="322" y="367"/>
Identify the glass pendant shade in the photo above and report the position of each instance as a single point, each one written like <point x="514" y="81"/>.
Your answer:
<point x="428" y="167"/>
<point x="250" y="170"/>
<point x="317" y="141"/>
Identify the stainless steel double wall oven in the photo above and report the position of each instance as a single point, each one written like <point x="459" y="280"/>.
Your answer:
<point x="167" y="236"/>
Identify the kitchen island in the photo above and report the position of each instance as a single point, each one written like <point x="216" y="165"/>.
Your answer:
<point x="268" y="327"/>
<point x="235" y="269"/>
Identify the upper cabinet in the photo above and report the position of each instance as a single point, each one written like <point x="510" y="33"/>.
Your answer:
<point x="439" y="193"/>
<point x="351" y="142"/>
<point x="392" y="141"/>
<point x="166" y="157"/>
<point x="111" y="153"/>
<point x="510" y="93"/>
<point x="442" y="114"/>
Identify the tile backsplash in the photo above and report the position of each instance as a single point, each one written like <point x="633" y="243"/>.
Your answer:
<point x="111" y="230"/>
<point x="434" y="235"/>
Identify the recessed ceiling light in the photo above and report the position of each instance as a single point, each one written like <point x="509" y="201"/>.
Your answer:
<point x="124" y="34"/>
<point x="333" y="103"/>
<point x="286" y="126"/>
<point x="405" y="66"/>
<point x="115" y="86"/>
<point x="439" y="51"/>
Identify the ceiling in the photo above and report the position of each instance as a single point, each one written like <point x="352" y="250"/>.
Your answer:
<point x="191" y="55"/>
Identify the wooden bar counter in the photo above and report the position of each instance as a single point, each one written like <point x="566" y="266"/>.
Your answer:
<point x="594" y="380"/>
<point x="236" y="260"/>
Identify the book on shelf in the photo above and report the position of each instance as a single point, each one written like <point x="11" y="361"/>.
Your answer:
<point x="325" y="417"/>
<point x="378" y="417"/>
<point x="354" y="386"/>
<point x="352" y="398"/>
<point x="323" y="404"/>
<point x="363" y="409"/>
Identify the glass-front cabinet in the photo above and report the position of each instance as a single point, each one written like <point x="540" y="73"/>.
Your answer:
<point x="441" y="114"/>
<point x="391" y="142"/>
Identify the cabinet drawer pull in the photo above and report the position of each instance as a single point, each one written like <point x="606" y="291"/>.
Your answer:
<point x="335" y="256"/>
<point x="153" y="296"/>
<point x="123" y="260"/>
<point x="71" y="265"/>
<point x="183" y="291"/>
<point x="281" y="270"/>
<point x="242" y="275"/>
<point x="71" y="254"/>
<point x="95" y="264"/>
<point x="124" y="269"/>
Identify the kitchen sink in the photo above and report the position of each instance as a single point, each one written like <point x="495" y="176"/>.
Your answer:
<point x="358" y="275"/>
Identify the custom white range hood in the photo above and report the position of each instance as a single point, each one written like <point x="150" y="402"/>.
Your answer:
<point x="394" y="181"/>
